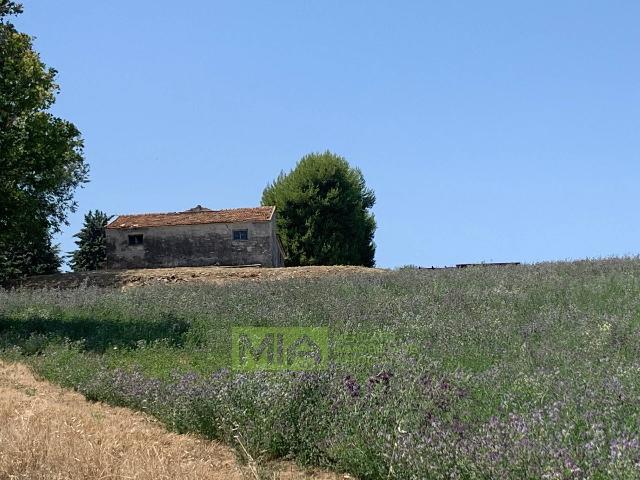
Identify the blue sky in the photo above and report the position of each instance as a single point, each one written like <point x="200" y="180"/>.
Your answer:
<point x="490" y="131"/>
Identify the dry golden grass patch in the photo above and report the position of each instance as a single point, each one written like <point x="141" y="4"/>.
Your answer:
<point x="217" y="275"/>
<point x="50" y="433"/>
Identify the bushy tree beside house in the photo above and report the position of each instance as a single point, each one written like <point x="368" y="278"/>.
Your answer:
<point x="323" y="212"/>
<point x="41" y="159"/>
<point x="91" y="253"/>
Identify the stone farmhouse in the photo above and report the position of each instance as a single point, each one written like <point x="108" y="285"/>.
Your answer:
<point x="196" y="237"/>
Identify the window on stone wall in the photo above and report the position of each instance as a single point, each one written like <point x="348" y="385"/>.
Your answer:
<point x="135" y="239"/>
<point x="241" y="234"/>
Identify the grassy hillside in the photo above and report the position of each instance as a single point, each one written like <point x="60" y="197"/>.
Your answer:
<point x="512" y="372"/>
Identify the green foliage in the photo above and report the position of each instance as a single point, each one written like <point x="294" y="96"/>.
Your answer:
<point x="323" y="212"/>
<point x="493" y="372"/>
<point x="8" y="7"/>
<point x="29" y="254"/>
<point x="41" y="161"/>
<point x="91" y="253"/>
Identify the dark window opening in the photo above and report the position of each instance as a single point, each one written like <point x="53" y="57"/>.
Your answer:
<point x="241" y="234"/>
<point x="135" y="239"/>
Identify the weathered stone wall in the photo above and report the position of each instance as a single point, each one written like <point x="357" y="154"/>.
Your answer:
<point x="193" y="245"/>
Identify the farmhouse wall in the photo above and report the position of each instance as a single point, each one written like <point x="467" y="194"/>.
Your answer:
<point x="194" y="245"/>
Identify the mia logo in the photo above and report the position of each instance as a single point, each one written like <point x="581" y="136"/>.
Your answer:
<point x="279" y="348"/>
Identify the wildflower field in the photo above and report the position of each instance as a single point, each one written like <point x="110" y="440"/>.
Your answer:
<point x="530" y="371"/>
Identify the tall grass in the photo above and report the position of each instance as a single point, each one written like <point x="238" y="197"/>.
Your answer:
<point x="491" y="372"/>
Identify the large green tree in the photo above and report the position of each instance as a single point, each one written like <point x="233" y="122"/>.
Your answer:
<point x="323" y="212"/>
<point x="91" y="253"/>
<point x="41" y="159"/>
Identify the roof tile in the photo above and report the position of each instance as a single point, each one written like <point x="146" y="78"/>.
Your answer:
<point x="194" y="217"/>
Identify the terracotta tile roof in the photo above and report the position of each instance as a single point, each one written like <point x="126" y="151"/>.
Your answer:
<point x="195" y="216"/>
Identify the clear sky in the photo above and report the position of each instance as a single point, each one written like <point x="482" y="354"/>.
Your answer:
<point x="490" y="131"/>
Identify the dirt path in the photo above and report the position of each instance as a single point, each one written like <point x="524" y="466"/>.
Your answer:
<point x="50" y="433"/>
<point x="141" y="277"/>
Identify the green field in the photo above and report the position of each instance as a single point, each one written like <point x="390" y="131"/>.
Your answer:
<point x="530" y="371"/>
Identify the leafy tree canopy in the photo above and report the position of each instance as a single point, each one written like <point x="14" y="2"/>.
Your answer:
<point x="91" y="253"/>
<point x="41" y="159"/>
<point x="9" y="8"/>
<point x="29" y="254"/>
<point x="323" y="212"/>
